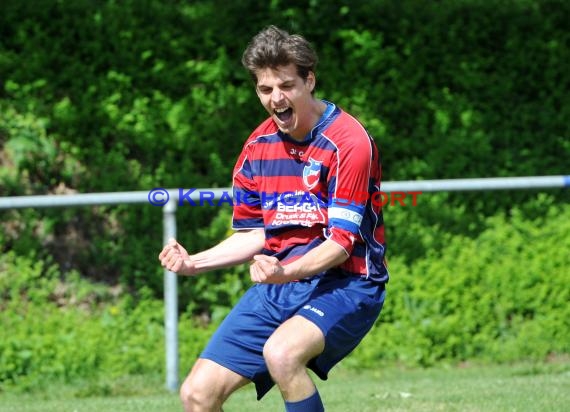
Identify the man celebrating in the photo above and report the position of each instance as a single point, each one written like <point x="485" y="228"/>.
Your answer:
<point x="316" y="247"/>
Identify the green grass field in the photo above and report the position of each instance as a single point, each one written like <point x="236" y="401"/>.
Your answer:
<point x="536" y="388"/>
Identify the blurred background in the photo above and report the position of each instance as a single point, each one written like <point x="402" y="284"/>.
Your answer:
<point x="106" y="96"/>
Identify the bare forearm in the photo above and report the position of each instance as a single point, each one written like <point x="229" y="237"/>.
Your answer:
<point x="238" y="248"/>
<point x="327" y="255"/>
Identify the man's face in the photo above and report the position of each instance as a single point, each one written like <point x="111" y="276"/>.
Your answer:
<point x="287" y="98"/>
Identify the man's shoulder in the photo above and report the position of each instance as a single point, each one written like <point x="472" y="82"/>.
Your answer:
<point x="264" y="133"/>
<point x="346" y="129"/>
<point x="266" y="128"/>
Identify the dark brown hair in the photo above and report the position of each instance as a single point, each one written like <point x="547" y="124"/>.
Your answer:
<point x="273" y="47"/>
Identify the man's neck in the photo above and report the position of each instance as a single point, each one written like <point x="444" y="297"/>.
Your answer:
<point x="317" y="110"/>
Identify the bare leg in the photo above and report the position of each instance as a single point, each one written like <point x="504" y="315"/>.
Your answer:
<point x="287" y="352"/>
<point x="208" y="386"/>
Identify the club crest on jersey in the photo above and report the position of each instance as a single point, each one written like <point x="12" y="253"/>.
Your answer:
<point x="312" y="173"/>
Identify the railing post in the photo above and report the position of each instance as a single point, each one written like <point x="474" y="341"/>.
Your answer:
<point x="170" y="303"/>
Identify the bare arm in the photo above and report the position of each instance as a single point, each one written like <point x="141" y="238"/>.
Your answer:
<point x="238" y="248"/>
<point x="268" y="269"/>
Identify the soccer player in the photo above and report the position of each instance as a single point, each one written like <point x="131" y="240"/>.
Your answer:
<point x="304" y="219"/>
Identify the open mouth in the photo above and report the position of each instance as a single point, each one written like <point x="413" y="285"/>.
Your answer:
<point x="283" y="114"/>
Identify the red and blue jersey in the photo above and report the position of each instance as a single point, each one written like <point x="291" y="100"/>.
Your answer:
<point x="302" y="193"/>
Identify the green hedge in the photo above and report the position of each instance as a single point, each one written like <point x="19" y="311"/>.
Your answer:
<point x="67" y="329"/>
<point x="502" y="296"/>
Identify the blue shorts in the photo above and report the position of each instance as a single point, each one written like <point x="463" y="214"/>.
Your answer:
<point x="344" y="308"/>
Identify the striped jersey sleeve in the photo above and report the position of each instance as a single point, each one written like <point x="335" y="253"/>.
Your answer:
<point x="353" y="170"/>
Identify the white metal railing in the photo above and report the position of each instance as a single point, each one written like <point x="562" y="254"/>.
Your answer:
<point x="169" y="224"/>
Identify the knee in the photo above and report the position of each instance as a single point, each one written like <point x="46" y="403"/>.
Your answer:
<point x="280" y="359"/>
<point x="196" y="395"/>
